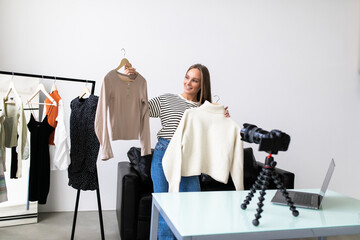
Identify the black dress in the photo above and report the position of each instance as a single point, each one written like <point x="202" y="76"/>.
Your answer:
<point x="85" y="145"/>
<point x="39" y="178"/>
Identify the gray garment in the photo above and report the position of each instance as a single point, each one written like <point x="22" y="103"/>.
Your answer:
<point x="10" y="129"/>
<point x="13" y="123"/>
<point x="3" y="190"/>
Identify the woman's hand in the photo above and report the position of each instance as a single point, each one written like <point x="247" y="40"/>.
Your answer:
<point x="129" y="70"/>
<point x="227" y="114"/>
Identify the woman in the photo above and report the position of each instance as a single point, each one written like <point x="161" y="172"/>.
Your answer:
<point x="170" y="109"/>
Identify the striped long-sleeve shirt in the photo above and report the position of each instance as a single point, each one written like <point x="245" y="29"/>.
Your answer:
<point x="170" y="109"/>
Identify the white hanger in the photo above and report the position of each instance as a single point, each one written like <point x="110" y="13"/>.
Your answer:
<point x="217" y="101"/>
<point x="42" y="89"/>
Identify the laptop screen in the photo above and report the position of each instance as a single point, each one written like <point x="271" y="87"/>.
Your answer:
<point x="327" y="178"/>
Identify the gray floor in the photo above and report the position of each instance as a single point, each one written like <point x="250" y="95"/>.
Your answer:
<point x="58" y="225"/>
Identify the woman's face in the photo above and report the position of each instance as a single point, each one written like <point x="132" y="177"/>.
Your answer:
<point x="192" y="82"/>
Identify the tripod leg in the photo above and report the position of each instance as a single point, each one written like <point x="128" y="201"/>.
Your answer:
<point x="257" y="185"/>
<point x="248" y="197"/>
<point x="285" y="194"/>
<point x="265" y="177"/>
<point x="259" y="210"/>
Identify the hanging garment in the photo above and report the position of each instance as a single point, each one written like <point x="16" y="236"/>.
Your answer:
<point x="52" y="115"/>
<point x="39" y="178"/>
<point x="13" y="123"/>
<point x="3" y="191"/>
<point x="14" y="163"/>
<point x="85" y="146"/>
<point x="128" y="111"/>
<point x="205" y="142"/>
<point x="58" y="140"/>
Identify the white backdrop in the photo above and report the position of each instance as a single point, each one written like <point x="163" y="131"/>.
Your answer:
<point x="288" y="65"/>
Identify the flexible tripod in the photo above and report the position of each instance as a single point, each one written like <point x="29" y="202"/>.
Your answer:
<point x="267" y="173"/>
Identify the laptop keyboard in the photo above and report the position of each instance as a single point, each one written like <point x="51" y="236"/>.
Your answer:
<point x="304" y="199"/>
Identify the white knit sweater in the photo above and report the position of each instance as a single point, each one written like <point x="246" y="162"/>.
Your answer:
<point x="205" y="142"/>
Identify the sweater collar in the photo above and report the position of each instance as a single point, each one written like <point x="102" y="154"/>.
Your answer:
<point x="211" y="107"/>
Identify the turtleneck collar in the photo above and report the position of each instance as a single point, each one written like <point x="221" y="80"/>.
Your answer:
<point x="215" y="108"/>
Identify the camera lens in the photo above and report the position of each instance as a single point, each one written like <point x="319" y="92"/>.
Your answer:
<point x="251" y="133"/>
<point x="244" y="133"/>
<point x="258" y="134"/>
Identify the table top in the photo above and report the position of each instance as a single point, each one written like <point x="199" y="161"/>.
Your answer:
<point x="213" y="213"/>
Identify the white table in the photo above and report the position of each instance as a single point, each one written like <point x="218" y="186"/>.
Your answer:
<point x="217" y="215"/>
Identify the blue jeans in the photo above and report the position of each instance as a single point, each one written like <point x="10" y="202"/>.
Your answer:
<point x="187" y="184"/>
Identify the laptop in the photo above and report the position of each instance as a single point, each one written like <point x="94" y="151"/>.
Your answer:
<point x="304" y="199"/>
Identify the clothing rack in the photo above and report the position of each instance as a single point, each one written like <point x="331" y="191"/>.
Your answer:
<point x="92" y="82"/>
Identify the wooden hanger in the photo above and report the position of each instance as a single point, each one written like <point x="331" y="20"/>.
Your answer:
<point x="124" y="62"/>
<point x="124" y="77"/>
<point x="42" y="89"/>
<point x="12" y="89"/>
<point x="84" y="92"/>
<point x="54" y="88"/>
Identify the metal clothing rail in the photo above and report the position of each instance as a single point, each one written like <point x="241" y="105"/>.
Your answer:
<point x="52" y="78"/>
<point x="92" y="82"/>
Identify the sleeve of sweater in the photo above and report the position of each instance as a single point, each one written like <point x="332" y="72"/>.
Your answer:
<point x="144" y="123"/>
<point x="172" y="159"/>
<point x="2" y="159"/>
<point x="237" y="166"/>
<point x="2" y="138"/>
<point x="22" y="131"/>
<point x="101" y="129"/>
<point x="62" y="153"/>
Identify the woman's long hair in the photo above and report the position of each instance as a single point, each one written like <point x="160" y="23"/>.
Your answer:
<point x="205" y="85"/>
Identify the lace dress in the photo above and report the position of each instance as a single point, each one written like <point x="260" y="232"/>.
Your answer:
<point x="85" y="145"/>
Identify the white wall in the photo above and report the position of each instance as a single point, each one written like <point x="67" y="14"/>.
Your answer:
<point x="290" y="65"/>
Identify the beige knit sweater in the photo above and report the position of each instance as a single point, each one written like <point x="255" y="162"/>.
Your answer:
<point x="13" y="123"/>
<point x="128" y="107"/>
<point x="205" y="142"/>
